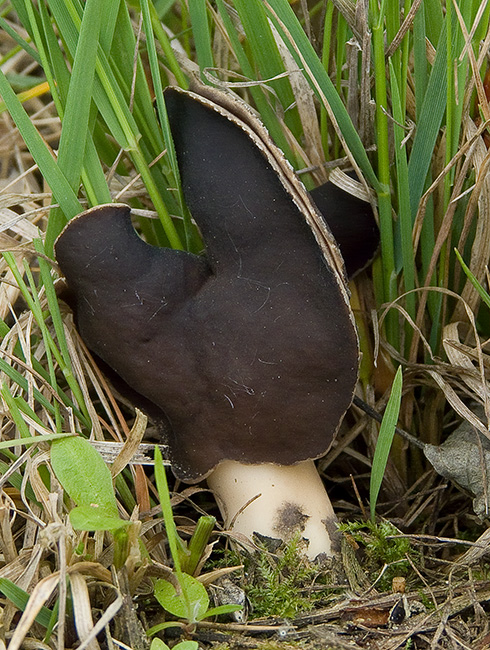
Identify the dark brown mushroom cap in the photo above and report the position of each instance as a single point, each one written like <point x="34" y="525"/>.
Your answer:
<point x="352" y="223"/>
<point x="251" y="352"/>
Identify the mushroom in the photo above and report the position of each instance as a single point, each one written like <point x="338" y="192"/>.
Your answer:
<point x="249" y="352"/>
<point x="352" y="224"/>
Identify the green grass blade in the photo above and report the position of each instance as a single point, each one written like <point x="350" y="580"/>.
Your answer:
<point x="20" y="10"/>
<point x="79" y="98"/>
<point x="20" y="599"/>
<point x="15" y="413"/>
<point x="385" y="438"/>
<point x="384" y="193"/>
<point x="420" y="64"/>
<point x="31" y="297"/>
<point x="76" y="118"/>
<point x="4" y="328"/>
<point x="434" y="19"/>
<point x="58" y="75"/>
<point x="162" y="112"/>
<point x="340" y="55"/>
<point x="267" y="113"/>
<point x="110" y="11"/>
<point x="168" y="52"/>
<point x="164" y="496"/>
<point x="482" y="28"/>
<point x="52" y="61"/>
<point x="406" y="261"/>
<point x="21" y="381"/>
<point x="113" y="106"/>
<point x="24" y="408"/>
<point x="122" y="61"/>
<point x="481" y="291"/>
<point x="201" y="33"/>
<point x="300" y="47"/>
<point x="162" y="7"/>
<point x="62" y="191"/>
<point x="19" y="40"/>
<point x="266" y="55"/>
<point x="93" y="178"/>
<point x="107" y="94"/>
<point x="328" y="32"/>
<point x="428" y="125"/>
<point x="27" y="439"/>
<point x="53" y="303"/>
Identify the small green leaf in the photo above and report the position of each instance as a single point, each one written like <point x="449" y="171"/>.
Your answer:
<point x="82" y="472"/>
<point x="222" y="609"/>
<point x="158" y="644"/>
<point x="95" y="518"/>
<point x="186" y="645"/>
<point x="191" y="604"/>
<point x="385" y="438"/>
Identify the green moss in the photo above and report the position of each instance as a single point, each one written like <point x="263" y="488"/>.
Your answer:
<point x="283" y="583"/>
<point x="279" y="585"/>
<point x="271" y="644"/>
<point x="383" y="548"/>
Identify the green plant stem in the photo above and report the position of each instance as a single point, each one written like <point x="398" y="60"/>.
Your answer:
<point x="384" y="195"/>
<point x="341" y="38"/>
<point x="198" y="542"/>
<point x="174" y="540"/>
<point x="202" y="37"/>
<point x="167" y="49"/>
<point x="327" y="40"/>
<point x="162" y="111"/>
<point x="404" y="216"/>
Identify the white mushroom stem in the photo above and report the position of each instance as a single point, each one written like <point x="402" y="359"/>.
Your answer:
<point x="277" y="501"/>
